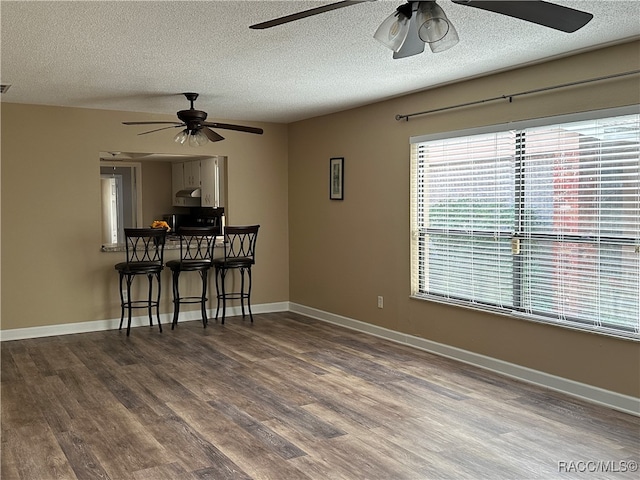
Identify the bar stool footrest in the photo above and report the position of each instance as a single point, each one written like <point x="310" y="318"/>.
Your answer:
<point x="140" y="303"/>
<point x="191" y="300"/>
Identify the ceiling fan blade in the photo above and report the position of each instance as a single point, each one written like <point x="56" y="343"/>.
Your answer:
<point x="229" y="126"/>
<point x="211" y="135"/>
<point x="151" y="123"/>
<point x="413" y="44"/>
<point x="305" y="14"/>
<point x="163" y="128"/>
<point x="542" y="13"/>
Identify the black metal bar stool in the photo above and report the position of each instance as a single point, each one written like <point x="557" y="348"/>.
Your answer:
<point x="144" y="251"/>
<point x="196" y="254"/>
<point x="239" y="254"/>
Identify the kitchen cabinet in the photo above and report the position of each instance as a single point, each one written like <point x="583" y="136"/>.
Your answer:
<point x="212" y="182"/>
<point x="208" y="174"/>
<point x="182" y="177"/>
<point x="191" y="174"/>
<point x="177" y="184"/>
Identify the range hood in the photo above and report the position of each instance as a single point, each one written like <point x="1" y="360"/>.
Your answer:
<point x="189" y="193"/>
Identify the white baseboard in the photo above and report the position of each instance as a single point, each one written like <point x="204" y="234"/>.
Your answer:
<point x="138" y="321"/>
<point x="617" y="401"/>
<point x="586" y="392"/>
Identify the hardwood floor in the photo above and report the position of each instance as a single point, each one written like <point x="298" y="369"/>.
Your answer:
<point x="287" y="397"/>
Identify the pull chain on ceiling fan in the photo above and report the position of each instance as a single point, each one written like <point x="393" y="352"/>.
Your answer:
<point x="197" y="131"/>
<point x="417" y="23"/>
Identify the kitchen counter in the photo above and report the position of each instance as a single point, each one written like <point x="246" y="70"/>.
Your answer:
<point x="172" y="243"/>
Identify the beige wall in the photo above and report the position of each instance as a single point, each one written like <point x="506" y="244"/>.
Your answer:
<point x="337" y="256"/>
<point x="53" y="271"/>
<point x="343" y="254"/>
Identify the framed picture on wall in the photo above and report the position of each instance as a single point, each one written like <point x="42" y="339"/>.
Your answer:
<point x="336" y="178"/>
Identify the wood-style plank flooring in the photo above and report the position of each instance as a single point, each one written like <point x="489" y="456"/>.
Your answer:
<point x="287" y="397"/>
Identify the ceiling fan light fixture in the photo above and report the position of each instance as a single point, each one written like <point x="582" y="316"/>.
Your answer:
<point x="197" y="138"/>
<point x="196" y="129"/>
<point x="449" y="40"/>
<point x="182" y="137"/>
<point x="393" y="31"/>
<point x="433" y="24"/>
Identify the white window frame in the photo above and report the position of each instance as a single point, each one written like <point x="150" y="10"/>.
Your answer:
<point x="416" y="232"/>
<point x="135" y="206"/>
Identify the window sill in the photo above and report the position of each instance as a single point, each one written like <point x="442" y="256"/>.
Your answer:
<point x="634" y="337"/>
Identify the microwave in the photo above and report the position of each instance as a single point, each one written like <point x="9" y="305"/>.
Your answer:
<point x="177" y="220"/>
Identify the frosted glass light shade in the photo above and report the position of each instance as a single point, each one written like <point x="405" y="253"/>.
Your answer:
<point x="433" y="24"/>
<point x="181" y="137"/>
<point x="449" y="40"/>
<point x="197" y="138"/>
<point x="393" y="31"/>
<point x="435" y="28"/>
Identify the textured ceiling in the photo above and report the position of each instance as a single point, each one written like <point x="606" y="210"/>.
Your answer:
<point x="139" y="55"/>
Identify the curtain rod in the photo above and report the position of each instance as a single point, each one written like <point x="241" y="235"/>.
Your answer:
<point x="512" y="95"/>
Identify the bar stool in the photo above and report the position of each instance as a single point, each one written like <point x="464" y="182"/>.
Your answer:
<point x="196" y="254"/>
<point x="239" y="254"/>
<point x="144" y="250"/>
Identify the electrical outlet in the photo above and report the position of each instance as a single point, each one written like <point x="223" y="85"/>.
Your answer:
<point x="380" y="301"/>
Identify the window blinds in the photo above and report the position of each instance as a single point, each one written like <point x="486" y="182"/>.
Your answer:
<point x="541" y="221"/>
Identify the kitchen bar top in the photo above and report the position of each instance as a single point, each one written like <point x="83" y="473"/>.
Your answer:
<point x="171" y="243"/>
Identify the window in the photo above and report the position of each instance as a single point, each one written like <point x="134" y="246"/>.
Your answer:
<point x="539" y="219"/>
<point x="120" y="188"/>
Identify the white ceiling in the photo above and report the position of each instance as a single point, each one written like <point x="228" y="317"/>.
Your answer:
<point x="140" y="55"/>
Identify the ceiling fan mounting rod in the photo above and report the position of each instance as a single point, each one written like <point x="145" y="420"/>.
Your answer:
<point x="191" y="96"/>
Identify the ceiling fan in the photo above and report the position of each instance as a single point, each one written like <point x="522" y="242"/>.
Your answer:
<point x="196" y="131"/>
<point x="417" y="23"/>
